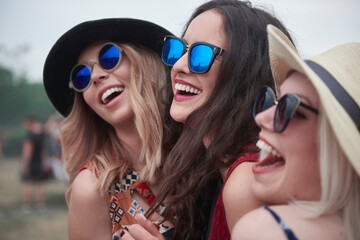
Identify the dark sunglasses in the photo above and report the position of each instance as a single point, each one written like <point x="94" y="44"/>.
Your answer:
<point x="285" y="109"/>
<point x="109" y="57"/>
<point x="201" y="54"/>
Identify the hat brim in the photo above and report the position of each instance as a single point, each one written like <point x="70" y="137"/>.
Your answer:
<point x="283" y="59"/>
<point x="64" y="54"/>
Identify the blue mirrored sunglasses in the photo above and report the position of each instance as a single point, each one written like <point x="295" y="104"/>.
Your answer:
<point x="285" y="107"/>
<point x="109" y="58"/>
<point x="201" y="54"/>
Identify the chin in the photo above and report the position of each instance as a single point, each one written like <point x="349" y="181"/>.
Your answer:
<point x="178" y="118"/>
<point x="178" y="115"/>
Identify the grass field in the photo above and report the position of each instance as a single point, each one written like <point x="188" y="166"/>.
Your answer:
<point x="14" y="224"/>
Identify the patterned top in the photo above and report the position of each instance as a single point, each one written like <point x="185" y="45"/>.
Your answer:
<point x="123" y="207"/>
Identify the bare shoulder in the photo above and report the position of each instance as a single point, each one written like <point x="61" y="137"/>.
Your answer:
<point x="85" y="195"/>
<point x="84" y="185"/>
<point x="257" y="224"/>
<point x="260" y="224"/>
<point x="242" y="175"/>
<point x="237" y="195"/>
<point x="88" y="212"/>
<point x="238" y="185"/>
<point x="295" y="218"/>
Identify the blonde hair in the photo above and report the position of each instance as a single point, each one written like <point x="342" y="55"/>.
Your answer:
<point x="87" y="138"/>
<point x="340" y="184"/>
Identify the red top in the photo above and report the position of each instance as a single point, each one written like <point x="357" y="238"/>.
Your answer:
<point x="219" y="228"/>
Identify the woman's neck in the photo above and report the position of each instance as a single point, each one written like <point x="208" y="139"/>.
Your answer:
<point x="130" y="140"/>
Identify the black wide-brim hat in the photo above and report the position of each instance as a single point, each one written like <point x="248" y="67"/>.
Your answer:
<point x="65" y="53"/>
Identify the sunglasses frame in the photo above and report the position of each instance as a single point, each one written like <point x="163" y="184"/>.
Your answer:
<point x="216" y="51"/>
<point x="90" y="63"/>
<point x="266" y="89"/>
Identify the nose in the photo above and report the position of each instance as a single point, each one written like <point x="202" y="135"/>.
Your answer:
<point x="265" y="119"/>
<point x="181" y="66"/>
<point x="98" y="74"/>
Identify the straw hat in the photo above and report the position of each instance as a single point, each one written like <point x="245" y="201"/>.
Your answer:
<point x="335" y="74"/>
<point x="65" y="52"/>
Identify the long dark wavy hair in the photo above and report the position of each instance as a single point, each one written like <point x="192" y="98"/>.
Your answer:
<point x="190" y="170"/>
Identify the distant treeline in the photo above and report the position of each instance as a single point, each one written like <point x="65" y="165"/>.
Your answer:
<point x="19" y="99"/>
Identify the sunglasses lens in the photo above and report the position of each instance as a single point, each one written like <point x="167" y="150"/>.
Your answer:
<point x="284" y="112"/>
<point x="172" y="51"/>
<point x="264" y="100"/>
<point x="80" y="77"/>
<point x="200" y="58"/>
<point x="109" y="56"/>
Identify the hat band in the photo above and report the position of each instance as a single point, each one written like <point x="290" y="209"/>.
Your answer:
<point x="346" y="101"/>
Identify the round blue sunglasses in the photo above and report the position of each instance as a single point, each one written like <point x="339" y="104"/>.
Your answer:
<point x="201" y="54"/>
<point x="109" y="58"/>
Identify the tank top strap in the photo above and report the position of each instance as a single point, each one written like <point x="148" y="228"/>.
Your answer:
<point x="290" y="235"/>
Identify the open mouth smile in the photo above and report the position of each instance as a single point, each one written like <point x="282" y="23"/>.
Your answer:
<point x="270" y="158"/>
<point x="186" y="90"/>
<point x="110" y="94"/>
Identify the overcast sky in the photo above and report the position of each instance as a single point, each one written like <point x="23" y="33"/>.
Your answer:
<point x="28" y="29"/>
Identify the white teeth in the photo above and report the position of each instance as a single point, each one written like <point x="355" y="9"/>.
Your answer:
<point x="267" y="148"/>
<point x="109" y="92"/>
<point x="186" y="88"/>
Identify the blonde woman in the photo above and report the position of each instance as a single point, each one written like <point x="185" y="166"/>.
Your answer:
<point x="112" y="132"/>
<point x="310" y="144"/>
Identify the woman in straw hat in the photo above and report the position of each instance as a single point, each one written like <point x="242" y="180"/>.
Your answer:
<point x="310" y="146"/>
<point x="104" y="77"/>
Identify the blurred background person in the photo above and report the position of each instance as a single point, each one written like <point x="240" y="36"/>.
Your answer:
<point x="31" y="167"/>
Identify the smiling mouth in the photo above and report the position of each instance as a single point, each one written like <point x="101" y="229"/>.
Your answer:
<point x="186" y="90"/>
<point x="110" y="94"/>
<point x="270" y="158"/>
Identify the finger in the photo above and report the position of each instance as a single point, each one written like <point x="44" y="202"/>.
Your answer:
<point x="127" y="236"/>
<point x="149" y="226"/>
<point x="145" y="230"/>
<point x="140" y="233"/>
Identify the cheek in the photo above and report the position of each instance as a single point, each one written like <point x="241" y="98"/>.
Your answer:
<point x="302" y="167"/>
<point x="300" y="140"/>
<point x="212" y="77"/>
<point x="172" y="76"/>
<point x="87" y="96"/>
<point x="305" y="178"/>
<point x="309" y="144"/>
<point x="122" y="72"/>
<point x="208" y="83"/>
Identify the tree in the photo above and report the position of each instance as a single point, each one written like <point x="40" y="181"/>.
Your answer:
<point x="18" y="99"/>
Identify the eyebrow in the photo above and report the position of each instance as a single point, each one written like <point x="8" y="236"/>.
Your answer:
<point x="307" y="100"/>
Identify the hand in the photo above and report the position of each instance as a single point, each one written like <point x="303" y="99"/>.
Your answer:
<point x="144" y="230"/>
